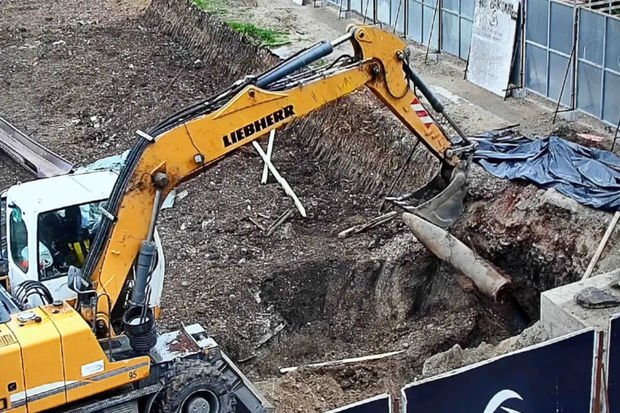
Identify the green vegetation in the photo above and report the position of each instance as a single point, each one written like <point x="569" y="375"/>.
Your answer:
<point x="266" y="37"/>
<point x="211" y="6"/>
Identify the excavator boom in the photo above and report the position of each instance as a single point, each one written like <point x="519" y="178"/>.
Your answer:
<point x="195" y="138"/>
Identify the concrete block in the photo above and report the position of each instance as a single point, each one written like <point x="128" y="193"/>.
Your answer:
<point x="568" y="116"/>
<point x="433" y="57"/>
<point x="284" y="52"/>
<point x="559" y="314"/>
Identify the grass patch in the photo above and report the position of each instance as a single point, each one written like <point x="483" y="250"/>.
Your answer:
<point x="266" y="37"/>
<point x="211" y="6"/>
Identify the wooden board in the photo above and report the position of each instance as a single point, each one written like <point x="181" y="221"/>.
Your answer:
<point x="492" y="44"/>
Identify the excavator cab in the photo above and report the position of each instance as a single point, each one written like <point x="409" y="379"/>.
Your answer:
<point x="39" y="241"/>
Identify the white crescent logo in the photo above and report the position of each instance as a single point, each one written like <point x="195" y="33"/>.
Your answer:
<point x="499" y="398"/>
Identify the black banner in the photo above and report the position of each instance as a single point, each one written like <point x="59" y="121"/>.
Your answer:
<point x="555" y="376"/>
<point x="379" y="404"/>
<point x="613" y="363"/>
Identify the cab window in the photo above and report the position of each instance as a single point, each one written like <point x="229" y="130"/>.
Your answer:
<point x="64" y="238"/>
<point x="18" y="238"/>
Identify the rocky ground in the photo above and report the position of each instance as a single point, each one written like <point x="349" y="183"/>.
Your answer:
<point x="83" y="77"/>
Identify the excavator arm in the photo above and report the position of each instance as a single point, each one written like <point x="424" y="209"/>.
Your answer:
<point x="189" y="142"/>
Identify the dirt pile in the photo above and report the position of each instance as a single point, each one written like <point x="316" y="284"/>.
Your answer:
<point x="458" y="357"/>
<point x="540" y="238"/>
<point x="208" y="38"/>
<point x="382" y="290"/>
<point x="337" y="134"/>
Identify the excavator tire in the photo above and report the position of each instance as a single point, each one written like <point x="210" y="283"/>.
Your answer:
<point x="195" y="387"/>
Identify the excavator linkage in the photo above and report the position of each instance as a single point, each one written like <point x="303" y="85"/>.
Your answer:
<point x="446" y="201"/>
<point x="440" y="201"/>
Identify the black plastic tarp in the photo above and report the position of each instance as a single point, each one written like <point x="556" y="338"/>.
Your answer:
<point x="590" y="176"/>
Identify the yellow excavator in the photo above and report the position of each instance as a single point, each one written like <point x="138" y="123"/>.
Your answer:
<point x="102" y="353"/>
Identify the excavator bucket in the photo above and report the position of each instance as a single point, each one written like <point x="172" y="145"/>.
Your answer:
<point x="440" y="201"/>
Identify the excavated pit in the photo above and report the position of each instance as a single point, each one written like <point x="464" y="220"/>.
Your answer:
<point x="345" y="308"/>
<point x="372" y="293"/>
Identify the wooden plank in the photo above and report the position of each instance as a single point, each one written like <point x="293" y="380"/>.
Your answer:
<point x="33" y="156"/>
<point x="370" y="224"/>
<point x="272" y="136"/>
<point x="343" y="361"/>
<point x="287" y="188"/>
<point x="601" y="245"/>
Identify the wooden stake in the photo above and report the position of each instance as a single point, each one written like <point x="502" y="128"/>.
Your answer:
<point x="280" y="221"/>
<point x="343" y="361"/>
<point x="400" y="172"/>
<point x="259" y="226"/>
<point x="370" y="224"/>
<point x="172" y="82"/>
<point x="272" y="136"/>
<point x="598" y="379"/>
<point x="287" y="188"/>
<point x="601" y="245"/>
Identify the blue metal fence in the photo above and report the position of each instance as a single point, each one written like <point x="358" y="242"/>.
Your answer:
<point x="457" y="17"/>
<point x="598" y="69"/>
<point x="569" y="50"/>
<point x="574" y="51"/>
<point x="555" y="376"/>
<point x="423" y="21"/>
<point x="549" y="42"/>
<point x="422" y="18"/>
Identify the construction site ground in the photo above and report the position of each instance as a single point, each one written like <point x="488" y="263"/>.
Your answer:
<point x="82" y="77"/>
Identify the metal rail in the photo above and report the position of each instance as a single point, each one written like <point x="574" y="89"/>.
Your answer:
<point x="37" y="159"/>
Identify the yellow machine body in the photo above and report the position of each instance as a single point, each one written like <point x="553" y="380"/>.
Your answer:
<point x="50" y="358"/>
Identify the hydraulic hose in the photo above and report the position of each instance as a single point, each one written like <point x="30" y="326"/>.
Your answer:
<point x="432" y="99"/>
<point x="313" y="54"/>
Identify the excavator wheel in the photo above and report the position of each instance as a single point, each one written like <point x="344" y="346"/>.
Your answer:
<point x="195" y="387"/>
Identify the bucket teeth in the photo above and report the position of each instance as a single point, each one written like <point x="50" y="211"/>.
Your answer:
<point x="442" y="209"/>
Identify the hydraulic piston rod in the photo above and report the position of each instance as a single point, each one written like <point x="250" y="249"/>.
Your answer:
<point x="303" y="59"/>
